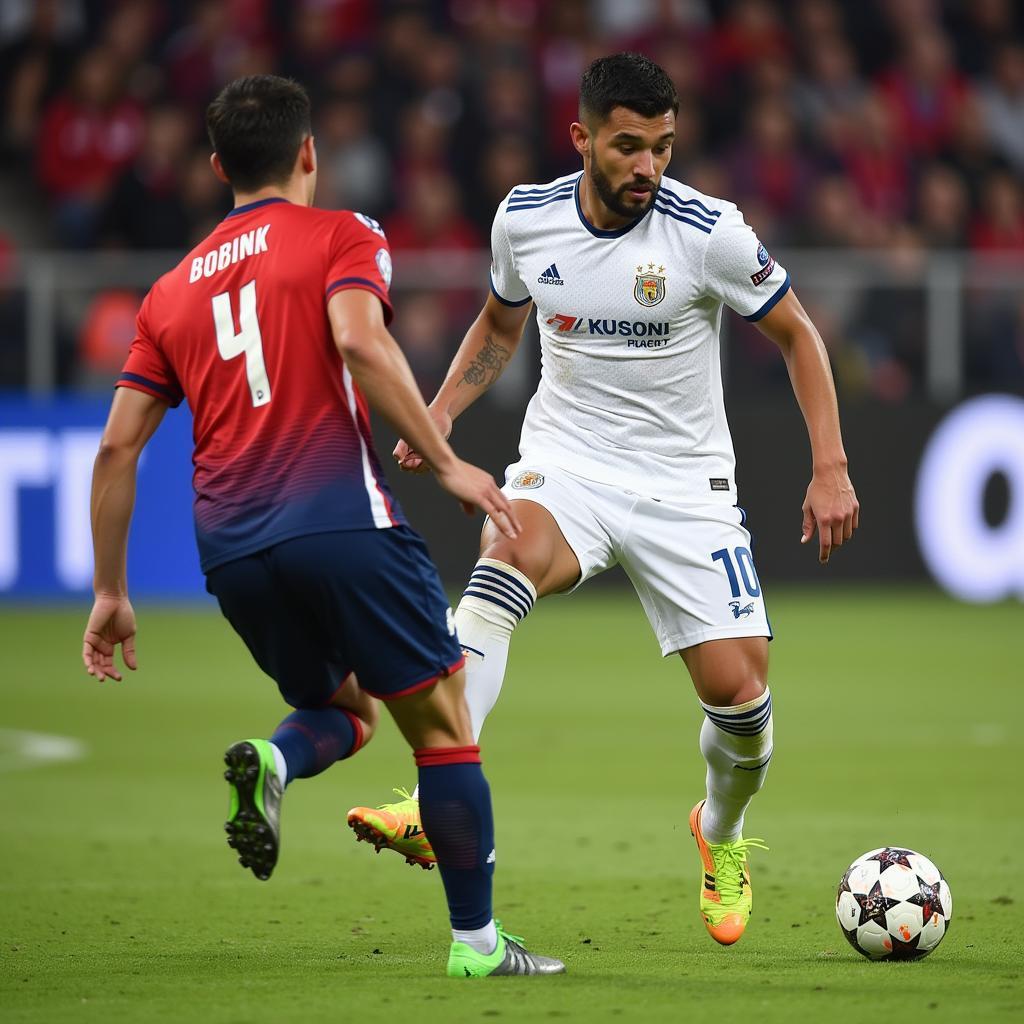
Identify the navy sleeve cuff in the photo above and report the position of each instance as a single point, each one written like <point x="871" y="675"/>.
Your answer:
<point x="507" y="302"/>
<point x="150" y="387"/>
<point x="771" y="303"/>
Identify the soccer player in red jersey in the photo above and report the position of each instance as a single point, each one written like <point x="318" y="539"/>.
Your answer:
<point x="274" y="329"/>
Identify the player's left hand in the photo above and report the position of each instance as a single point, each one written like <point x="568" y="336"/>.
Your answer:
<point x="831" y="503"/>
<point x="111" y="622"/>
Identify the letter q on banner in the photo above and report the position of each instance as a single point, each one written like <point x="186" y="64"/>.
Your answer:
<point x="968" y="556"/>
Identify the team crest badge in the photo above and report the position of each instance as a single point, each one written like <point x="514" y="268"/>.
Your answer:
<point x="649" y="289"/>
<point x="528" y="480"/>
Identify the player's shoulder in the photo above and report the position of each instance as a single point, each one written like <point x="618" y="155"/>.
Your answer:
<point x="531" y="196"/>
<point x="348" y="221"/>
<point x="680" y="204"/>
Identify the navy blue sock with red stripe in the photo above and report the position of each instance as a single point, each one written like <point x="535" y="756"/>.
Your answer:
<point x="312" y="740"/>
<point x="455" y="805"/>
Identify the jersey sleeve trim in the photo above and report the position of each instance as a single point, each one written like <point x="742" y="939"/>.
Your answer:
<point x="771" y="303"/>
<point x="507" y="302"/>
<point x="345" y="283"/>
<point x="150" y="387"/>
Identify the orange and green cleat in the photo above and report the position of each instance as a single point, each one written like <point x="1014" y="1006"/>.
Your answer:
<point x="725" y="895"/>
<point x="395" y="827"/>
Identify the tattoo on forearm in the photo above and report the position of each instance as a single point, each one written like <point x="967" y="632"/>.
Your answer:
<point x="488" y="364"/>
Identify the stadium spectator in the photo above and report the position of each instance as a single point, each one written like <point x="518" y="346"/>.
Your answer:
<point x="204" y="198"/>
<point x="923" y="92"/>
<point x="1000" y="226"/>
<point x="768" y="165"/>
<point x="505" y="162"/>
<point x="969" y="151"/>
<point x="355" y="170"/>
<point x="643" y="22"/>
<point x="836" y="219"/>
<point x="430" y="217"/>
<point x="87" y="136"/>
<point x="887" y="326"/>
<point x="1002" y="100"/>
<point x="829" y="95"/>
<point x="750" y="31"/>
<point x="145" y="208"/>
<point x="876" y="160"/>
<point x="201" y="55"/>
<point x="943" y="208"/>
<point x="508" y="104"/>
<point x="427" y="337"/>
<point x="35" y="54"/>
<point x="567" y="43"/>
<point x="129" y="37"/>
<point x="981" y="27"/>
<point x="425" y="146"/>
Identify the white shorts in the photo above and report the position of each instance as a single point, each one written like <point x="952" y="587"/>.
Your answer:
<point x="691" y="565"/>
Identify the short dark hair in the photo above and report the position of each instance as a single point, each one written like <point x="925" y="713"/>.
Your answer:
<point x="628" y="80"/>
<point x="256" y="126"/>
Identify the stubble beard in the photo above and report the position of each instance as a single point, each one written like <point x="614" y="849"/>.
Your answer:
<point x="616" y="200"/>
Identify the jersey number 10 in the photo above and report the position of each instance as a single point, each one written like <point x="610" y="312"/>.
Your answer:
<point x="247" y="341"/>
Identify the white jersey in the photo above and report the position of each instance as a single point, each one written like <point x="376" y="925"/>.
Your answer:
<point x="631" y="381"/>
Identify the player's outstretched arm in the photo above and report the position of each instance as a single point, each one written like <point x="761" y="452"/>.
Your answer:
<point x="831" y="502"/>
<point x="380" y="369"/>
<point x="133" y="418"/>
<point x="489" y="344"/>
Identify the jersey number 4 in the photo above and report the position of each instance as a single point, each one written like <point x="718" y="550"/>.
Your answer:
<point x="247" y="341"/>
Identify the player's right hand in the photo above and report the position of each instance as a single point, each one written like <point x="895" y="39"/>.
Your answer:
<point x="477" y="489"/>
<point x="111" y="622"/>
<point x="410" y="461"/>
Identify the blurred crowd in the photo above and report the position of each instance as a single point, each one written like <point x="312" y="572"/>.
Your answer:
<point x="893" y="125"/>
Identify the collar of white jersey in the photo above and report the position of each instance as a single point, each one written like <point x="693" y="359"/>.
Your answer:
<point x="597" y="232"/>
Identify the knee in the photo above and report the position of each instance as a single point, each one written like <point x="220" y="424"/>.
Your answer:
<point x="520" y="556"/>
<point x="731" y="690"/>
<point x="728" y="673"/>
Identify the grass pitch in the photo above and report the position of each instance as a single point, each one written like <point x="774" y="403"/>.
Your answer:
<point x="898" y="717"/>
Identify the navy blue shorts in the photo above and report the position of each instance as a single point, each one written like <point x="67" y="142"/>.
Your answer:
<point x="313" y="609"/>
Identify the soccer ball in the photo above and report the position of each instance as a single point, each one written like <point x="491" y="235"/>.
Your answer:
<point x="893" y="904"/>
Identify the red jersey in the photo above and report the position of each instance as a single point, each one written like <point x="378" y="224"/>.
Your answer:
<point x="239" y="328"/>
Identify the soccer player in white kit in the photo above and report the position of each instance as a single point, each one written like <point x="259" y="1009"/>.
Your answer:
<point x="625" y="454"/>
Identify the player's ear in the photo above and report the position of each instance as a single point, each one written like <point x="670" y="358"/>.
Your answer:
<point x="218" y="168"/>
<point x="307" y="155"/>
<point x="580" y="135"/>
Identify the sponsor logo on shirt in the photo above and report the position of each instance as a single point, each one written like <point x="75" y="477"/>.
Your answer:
<point x="649" y="289"/>
<point x="528" y="480"/>
<point x="550" y="276"/>
<point x="767" y="264"/>
<point x="638" y="333"/>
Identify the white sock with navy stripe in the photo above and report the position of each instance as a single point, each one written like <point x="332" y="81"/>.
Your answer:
<point x="737" y="744"/>
<point x="497" y="598"/>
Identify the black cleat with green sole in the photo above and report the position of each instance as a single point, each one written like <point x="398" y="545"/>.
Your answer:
<point x="254" y="806"/>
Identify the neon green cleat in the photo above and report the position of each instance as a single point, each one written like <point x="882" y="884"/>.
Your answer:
<point x="509" y="957"/>
<point x="726" y="898"/>
<point x="395" y="827"/>
<point x="254" y="806"/>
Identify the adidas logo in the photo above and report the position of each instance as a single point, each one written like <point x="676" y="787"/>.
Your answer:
<point x="490" y="857"/>
<point x="550" y="276"/>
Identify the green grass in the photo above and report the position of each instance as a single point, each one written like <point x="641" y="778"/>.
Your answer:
<point x="898" y="717"/>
